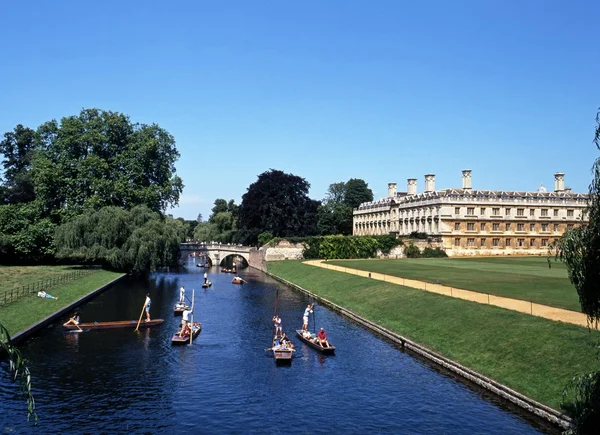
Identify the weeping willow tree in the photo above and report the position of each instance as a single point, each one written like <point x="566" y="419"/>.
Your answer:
<point x="17" y="365"/>
<point x="580" y="250"/>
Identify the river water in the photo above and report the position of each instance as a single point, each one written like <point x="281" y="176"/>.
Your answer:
<point x="121" y="381"/>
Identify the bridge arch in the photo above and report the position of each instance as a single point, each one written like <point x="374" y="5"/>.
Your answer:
<point x="215" y="252"/>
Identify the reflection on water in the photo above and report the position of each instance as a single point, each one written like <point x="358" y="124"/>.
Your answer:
<point x="225" y="382"/>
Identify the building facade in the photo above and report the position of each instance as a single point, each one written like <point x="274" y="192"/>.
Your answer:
<point x="475" y="222"/>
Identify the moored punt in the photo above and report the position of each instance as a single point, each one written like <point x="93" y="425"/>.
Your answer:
<point x="206" y="284"/>
<point x="315" y="344"/>
<point x="179" y="308"/>
<point x="196" y="328"/>
<point x="116" y="324"/>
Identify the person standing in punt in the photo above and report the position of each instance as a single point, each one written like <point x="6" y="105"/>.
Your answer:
<point x="205" y="277"/>
<point x="147" y="304"/>
<point x="277" y="325"/>
<point x="185" y="320"/>
<point x="307" y="311"/>
<point x="182" y="295"/>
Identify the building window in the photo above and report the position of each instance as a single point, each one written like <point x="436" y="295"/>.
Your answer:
<point x="520" y="227"/>
<point x="555" y="227"/>
<point x="532" y="212"/>
<point x="520" y="212"/>
<point x="470" y="226"/>
<point x="470" y="211"/>
<point x="482" y="211"/>
<point x="555" y="212"/>
<point x="544" y="227"/>
<point x="456" y="210"/>
<point x="570" y="213"/>
<point x="495" y="242"/>
<point x="569" y="227"/>
<point x="482" y="242"/>
<point x="482" y="227"/>
<point x="531" y="227"/>
<point x="495" y="227"/>
<point x="531" y="242"/>
<point x="520" y="242"/>
<point x="544" y="212"/>
<point x="456" y="242"/>
<point x="544" y="242"/>
<point x="507" y="227"/>
<point x="507" y="212"/>
<point x="496" y="211"/>
<point x="507" y="242"/>
<point x="456" y="226"/>
<point x="470" y="243"/>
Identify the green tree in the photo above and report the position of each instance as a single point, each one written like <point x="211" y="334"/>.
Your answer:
<point x="336" y="211"/>
<point x="17" y="149"/>
<point x="137" y="240"/>
<point x="206" y="232"/>
<point x="580" y="250"/>
<point x="99" y="159"/>
<point x="220" y="207"/>
<point x="278" y="203"/>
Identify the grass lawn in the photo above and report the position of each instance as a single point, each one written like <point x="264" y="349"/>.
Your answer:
<point x="532" y="355"/>
<point x="24" y="312"/>
<point x="525" y="278"/>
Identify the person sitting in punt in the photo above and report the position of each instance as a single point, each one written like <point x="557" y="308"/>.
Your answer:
<point x="286" y="342"/>
<point x="73" y="320"/>
<point x="43" y="294"/>
<point x="307" y="335"/>
<point x="322" y="337"/>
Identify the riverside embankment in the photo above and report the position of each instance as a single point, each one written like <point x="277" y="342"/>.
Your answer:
<point x="532" y="356"/>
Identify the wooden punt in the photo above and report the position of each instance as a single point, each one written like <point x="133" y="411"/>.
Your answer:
<point x="116" y="324"/>
<point x="196" y="328"/>
<point x="282" y="354"/>
<point x="325" y="350"/>
<point x="179" y="308"/>
<point x="237" y="280"/>
<point x="206" y="284"/>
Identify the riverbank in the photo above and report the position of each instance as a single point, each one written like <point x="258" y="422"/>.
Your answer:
<point x="31" y="311"/>
<point x="533" y="356"/>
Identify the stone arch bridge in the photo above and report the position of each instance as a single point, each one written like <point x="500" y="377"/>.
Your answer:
<point x="216" y="252"/>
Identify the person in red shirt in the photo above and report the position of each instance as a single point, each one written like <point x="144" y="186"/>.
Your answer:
<point x="322" y="336"/>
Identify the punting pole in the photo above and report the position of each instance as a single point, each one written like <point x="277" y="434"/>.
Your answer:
<point x="192" y="328"/>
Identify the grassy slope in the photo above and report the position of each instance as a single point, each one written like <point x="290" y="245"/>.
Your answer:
<point x="526" y="278"/>
<point x="20" y="314"/>
<point x="531" y="355"/>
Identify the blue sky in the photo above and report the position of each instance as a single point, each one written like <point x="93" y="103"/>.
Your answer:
<point x="327" y="90"/>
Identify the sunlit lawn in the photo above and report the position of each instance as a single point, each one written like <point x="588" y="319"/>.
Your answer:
<point x="532" y="355"/>
<point x="526" y="278"/>
<point x="25" y="311"/>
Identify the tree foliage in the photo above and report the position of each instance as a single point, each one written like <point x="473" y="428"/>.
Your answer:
<point x="336" y="210"/>
<point x="17" y="149"/>
<point x="101" y="158"/>
<point x="580" y="250"/>
<point x="278" y="203"/>
<point x="18" y="366"/>
<point x="347" y="247"/>
<point x="138" y="240"/>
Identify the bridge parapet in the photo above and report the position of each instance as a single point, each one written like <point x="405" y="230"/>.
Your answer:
<point x="215" y="251"/>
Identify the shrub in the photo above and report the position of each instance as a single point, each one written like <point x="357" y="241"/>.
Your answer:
<point x="412" y="251"/>
<point x="433" y="253"/>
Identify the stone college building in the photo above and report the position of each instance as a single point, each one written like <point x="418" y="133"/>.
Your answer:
<point x="475" y="222"/>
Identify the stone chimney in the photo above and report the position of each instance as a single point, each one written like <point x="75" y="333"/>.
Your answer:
<point x="567" y="190"/>
<point x="429" y="183"/>
<point x="411" y="187"/>
<point x="392" y="190"/>
<point x="559" y="182"/>
<point x="466" y="179"/>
